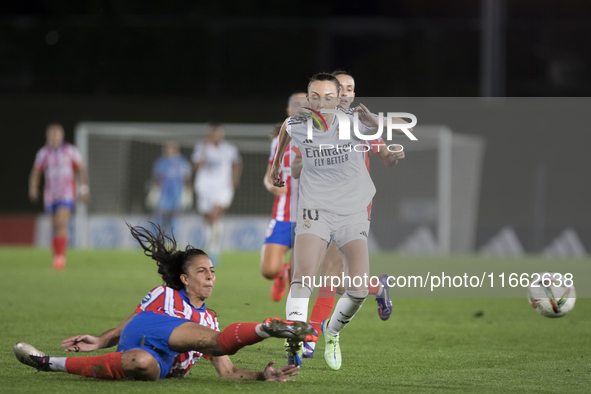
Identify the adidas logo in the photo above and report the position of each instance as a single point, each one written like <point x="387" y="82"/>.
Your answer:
<point x="308" y="141"/>
<point x="363" y="233"/>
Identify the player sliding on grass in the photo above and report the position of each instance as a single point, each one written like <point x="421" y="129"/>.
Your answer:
<point x="335" y="190"/>
<point x="171" y="328"/>
<point x="332" y="265"/>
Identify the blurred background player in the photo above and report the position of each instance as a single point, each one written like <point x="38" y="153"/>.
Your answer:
<point x="279" y="235"/>
<point x="58" y="161"/>
<point x="332" y="264"/>
<point x="218" y="167"/>
<point x="171" y="175"/>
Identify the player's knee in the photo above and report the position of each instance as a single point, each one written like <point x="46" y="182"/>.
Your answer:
<point x="269" y="270"/>
<point x="141" y="366"/>
<point x="269" y="274"/>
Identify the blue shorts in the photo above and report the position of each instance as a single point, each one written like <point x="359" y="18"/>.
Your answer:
<point x="281" y="233"/>
<point x="150" y="331"/>
<point x="51" y="209"/>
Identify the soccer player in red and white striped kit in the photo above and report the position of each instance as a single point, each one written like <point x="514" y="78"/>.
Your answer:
<point x="171" y="328"/>
<point x="58" y="161"/>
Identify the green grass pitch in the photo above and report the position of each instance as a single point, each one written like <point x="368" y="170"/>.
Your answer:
<point x="471" y="345"/>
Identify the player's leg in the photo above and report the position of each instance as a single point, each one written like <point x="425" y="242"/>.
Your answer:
<point x="273" y="260"/>
<point x="192" y="336"/>
<point x="331" y="266"/>
<point x="59" y="222"/>
<point x="355" y="258"/>
<point x="309" y="250"/>
<point x="206" y="205"/>
<point x="134" y="364"/>
<point x="216" y="229"/>
<point x="273" y="267"/>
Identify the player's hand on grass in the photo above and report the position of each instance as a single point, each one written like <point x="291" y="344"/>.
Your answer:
<point x="81" y="343"/>
<point x="280" y="374"/>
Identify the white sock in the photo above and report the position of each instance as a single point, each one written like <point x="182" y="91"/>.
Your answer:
<point x="260" y="332"/>
<point x="344" y="311"/>
<point x="57" y="364"/>
<point x="296" y="307"/>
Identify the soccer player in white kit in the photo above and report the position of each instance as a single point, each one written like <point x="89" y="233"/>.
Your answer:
<point x="58" y="161"/>
<point x="335" y="190"/>
<point x="332" y="264"/>
<point x="218" y="167"/>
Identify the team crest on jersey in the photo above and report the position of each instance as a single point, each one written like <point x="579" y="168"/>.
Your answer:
<point x="307" y="224"/>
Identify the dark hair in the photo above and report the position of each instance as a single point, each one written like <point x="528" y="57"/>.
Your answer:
<point x="213" y="123"/>
<point x="325" y="77"/>
<point x="293" y="94"/>
<point x="51" y="124"/>
<point x="172" y="263"/>
<point x="340" y="71"/>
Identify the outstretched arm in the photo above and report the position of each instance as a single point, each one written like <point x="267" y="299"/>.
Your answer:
<point x="284" y="140"/>
<point x="88" y="343"/>
<point x="227" y="370"/>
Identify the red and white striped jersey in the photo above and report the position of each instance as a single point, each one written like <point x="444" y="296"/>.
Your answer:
<point x="167" y="301"/>
<point x="58" y="166"/>
<point x="282" y="206"/>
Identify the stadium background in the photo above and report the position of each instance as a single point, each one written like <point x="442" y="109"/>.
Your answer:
<point x="108" y="61"/>
<point x="237" y="61"/>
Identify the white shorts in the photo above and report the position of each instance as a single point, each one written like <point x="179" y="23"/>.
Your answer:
<point x="342" y="229"/>
<point x="208" y="199"/>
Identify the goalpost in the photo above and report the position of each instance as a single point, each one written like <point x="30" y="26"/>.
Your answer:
<point x="426" y="204"/>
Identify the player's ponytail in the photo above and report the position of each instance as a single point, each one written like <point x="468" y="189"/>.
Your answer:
<point x="162" y="248"/>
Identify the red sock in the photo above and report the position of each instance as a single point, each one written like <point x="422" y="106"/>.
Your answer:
<point x="238" y="335"/>
<point x="59" y="245"/>
<point x="374" y="289"/>
<point x="107" y="366"/>
<point x="322" y="307"/>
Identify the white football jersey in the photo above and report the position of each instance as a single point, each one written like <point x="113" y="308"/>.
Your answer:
<point x="216" y="173"/>
<point x="334" y="178"/>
